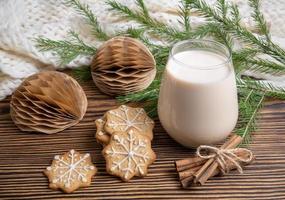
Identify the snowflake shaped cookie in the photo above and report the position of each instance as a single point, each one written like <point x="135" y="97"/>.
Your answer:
<point x="101" y="135"/>
<point x="125" y="117"/>
<point x="70" y="171"/>
<point x="128" y="154"/>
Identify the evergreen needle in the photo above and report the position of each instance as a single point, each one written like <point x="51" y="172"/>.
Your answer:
<point x="253" y="114"/>
<point x="249" y="105"/>
<point x="142" y="16"/>
<point x="91" y="19"/>
<point x="184" y="13"/>
<point x="261" y="87"/>
<point x="66" y="50"/>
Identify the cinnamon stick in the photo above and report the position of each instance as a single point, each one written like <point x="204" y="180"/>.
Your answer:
<point x="198" y="170"/>
<point x="187" y="182"/>
<point x="207" y="168"/>
<point x="187" y="177"/>
<point x="189" y="172"/>
<point x="192" y="162"/>
<point x="188" y="163"/>
<point x="210" y="169"/>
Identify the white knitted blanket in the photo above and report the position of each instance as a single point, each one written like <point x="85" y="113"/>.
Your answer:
<point x="23" y="20"/>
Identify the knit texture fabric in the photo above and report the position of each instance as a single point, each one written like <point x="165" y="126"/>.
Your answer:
<point x="23" y="21"/>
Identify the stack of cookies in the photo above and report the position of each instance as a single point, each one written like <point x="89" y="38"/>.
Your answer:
<point x="126" y="135"/>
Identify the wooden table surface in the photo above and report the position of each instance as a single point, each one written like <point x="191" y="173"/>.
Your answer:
<point x="24" y="156"/>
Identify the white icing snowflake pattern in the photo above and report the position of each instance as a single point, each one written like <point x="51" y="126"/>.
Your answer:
<point x="74" y="168"/>
<point x="131" y="157"/>
<point x="125" y="122"/>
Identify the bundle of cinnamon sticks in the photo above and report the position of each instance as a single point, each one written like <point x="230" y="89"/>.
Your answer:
<point x="197" y="170"/>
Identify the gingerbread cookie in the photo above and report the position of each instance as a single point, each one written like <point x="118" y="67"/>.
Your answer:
<point x="101" y="135"/>
<point x="128" y="154"/>
<point x="70" y="171"/>
<point x="125" y="117"/>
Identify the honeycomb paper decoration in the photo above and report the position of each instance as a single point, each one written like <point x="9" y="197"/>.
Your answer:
<point x="48" y="102"/>
<point x="123" y="65"/>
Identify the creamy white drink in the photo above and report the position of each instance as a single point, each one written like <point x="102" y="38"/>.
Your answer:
<point x="198" y="97"/>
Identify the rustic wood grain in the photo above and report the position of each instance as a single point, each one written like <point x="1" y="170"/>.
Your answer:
<point x="24" y="156"/>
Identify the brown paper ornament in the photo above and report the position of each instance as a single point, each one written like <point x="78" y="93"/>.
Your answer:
<point x="48" y="102"/>
<point x="123" y="65"/>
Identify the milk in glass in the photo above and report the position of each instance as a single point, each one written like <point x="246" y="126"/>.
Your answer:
<point x="198" y="96"/>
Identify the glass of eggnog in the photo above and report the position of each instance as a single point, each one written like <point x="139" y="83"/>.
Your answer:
<point x="198" y="101"/>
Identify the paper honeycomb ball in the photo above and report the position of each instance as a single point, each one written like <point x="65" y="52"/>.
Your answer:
<point x="123" y="65"/>
<point x="48" y="102"/>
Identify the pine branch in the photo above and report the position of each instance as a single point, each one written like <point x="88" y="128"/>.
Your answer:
<point x="212" y="14"/>
<point x="249" y="104"/>
<point x="246" y="59"/>
<point x="259" y="18"/>
<point x="278" y="53"/>
<point x="202" y="30"/>
<point x="265" y="66"/>
<point x="160" y="54"/>
<point x="234" y="13"/>
<point x="149" y="94"/>
<point x="184" y="13"/>
<point x="133" y="32"/>
<point x="139" y="33"/>
<point x="240" y="59"/>
<point x="66" y="50"/>
<point x="83" y="73"/>
<point x="75" y="39"/>
<point x="222" y="7"/>
<point x="141" y="5"/>
<point x="151" y="108"/>
<point x="262" y="87"/>
<point x="207" y="11"/>
<point x="90" y="18"/>
<point x="230" y="25"/>
<point x="214" y="30"/>
<point x="145" y="20"/>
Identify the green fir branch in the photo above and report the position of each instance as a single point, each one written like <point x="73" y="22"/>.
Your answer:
<point x="222" y="7"/>
<point x="278" y="53"/>
<point x="66" y="50"/>
<point x="74" y="38"/>
<point x="246" y="59"/>
<point x="144" y="9"/>
<point x="249" y="104"/>
<point x="133" y="32"/>
<point x="184" y="14"/>
<point x="231" y="26"/>
<point x="149" y="94"/>
<point x="90" y="18"/>
<point x="161" y="54"/>
<point x="138" y="33"/>
<point x="265" y="66"/>
<point x="82" y="73"/>
<point x="259" y="19"/>
<point x="145" y="20"/>
<point x="151" y="108"/>
<point x="211" y="29"/>
<point x="240" y="59"/>
<point x="261" y="87"/>
<point x="234" y="13"/>
<point x="212" y="14"/>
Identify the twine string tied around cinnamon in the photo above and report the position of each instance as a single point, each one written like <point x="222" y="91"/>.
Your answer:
<point x="223" y="155"/>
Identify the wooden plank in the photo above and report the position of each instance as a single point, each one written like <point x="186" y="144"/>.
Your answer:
<point x="23" y="157"/>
